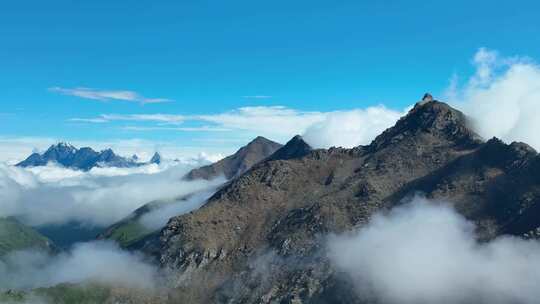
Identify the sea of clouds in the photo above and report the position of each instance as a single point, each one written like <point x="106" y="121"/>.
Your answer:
<point x="425" y="252"/>
<point x="99" y="261"/>
<point x="53" y="195"/>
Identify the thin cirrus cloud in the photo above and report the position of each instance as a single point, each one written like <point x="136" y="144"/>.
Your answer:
<point x="183" y="129"/>
<point x="108" y="95"/>
<point x="257" y="96"/>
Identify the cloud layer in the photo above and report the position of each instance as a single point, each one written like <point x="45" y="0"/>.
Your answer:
<point x="99" y="261"/>
<point x="55" y="195"/>
<point x="502" y="97"/>
<point x="158" y="217"/>
<point x="320" y="129"/>
<point x="350" y="128"/>
<point x="426" y="253"/>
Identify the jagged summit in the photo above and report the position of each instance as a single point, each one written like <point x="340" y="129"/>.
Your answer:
<point x="238" y="163"/>
<point x="426" y="98"/>
<point x="431" y="117"/>
<point x="156" y="159"/>
<point x="294" y="148"/>
<point x="83" y="159"/>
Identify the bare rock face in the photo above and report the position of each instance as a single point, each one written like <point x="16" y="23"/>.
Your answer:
<point x="258" y="239"/>
<point x="238" y="163"/>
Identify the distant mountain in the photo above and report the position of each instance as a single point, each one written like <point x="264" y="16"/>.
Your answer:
<point x="83" y="159"/>
<point x="156" y="159"/>
<point x="238" y="163"/>
<point x="16" y="236"/>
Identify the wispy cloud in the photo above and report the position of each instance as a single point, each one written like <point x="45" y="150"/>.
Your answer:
<point x="180" y="129"/>
<point x="107" y="95"/>
<point x="257" y="96"/>
<point x="161" y="118"/>
<point x="90" y="120"/>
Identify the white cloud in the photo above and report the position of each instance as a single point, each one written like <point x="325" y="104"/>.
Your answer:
<point x="257" y="96"/>
<point x="426" y="253"/>
<point x="101" y="262"/>
<point x="158" y="217"/>
<point x="272" y="121"/>
<point x="164" y="118"/>
<point x="179" y="129"/>
<point x="351" y="128"/>
<point x="321" y="129"/>
<point x="14" y="149"/>
<point x="502" y="97"/>
<point x="106" y="95"/>
<point x="100" y="197"/>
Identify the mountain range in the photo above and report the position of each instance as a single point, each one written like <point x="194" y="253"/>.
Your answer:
<point x="83" y="159"/>
<point x="260" y="237"/>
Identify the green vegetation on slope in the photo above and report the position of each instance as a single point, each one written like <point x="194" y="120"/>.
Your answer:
<point x="16" y="236"/>
<point x="129" y="232"/>
<point x="85" y="293"/>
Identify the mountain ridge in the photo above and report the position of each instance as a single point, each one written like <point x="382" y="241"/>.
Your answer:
<point x="282" y="207"/>
<point x="236" y="164"/>
<point x="84" y="158"/>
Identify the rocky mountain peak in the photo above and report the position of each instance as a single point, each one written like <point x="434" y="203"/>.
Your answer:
<point x="294" y="148"/>
<point x="61" y="148"/>
<point x="156" y="159"/>
<point x="84" y="158"/>
<point x="433" y="117"/>
<point x="234" y="165"/>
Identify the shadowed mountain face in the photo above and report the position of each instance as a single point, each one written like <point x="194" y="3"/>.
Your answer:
<point x="82" y="159"/>
<point x="257" y="240"/>
<point x="238" y="163"/>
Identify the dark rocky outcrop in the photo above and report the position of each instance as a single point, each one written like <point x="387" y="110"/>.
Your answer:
<point x="294" y="148"/>
<point x="258" y="239"/>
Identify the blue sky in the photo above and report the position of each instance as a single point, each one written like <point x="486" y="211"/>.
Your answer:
<point x="213" y="57"/>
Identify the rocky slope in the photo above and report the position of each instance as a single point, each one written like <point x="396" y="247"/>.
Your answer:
<point x="83" y="159"/>
<point x="238" y="163"/>
<point x="258" y="239"/>
<point x="130" y="234"/>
